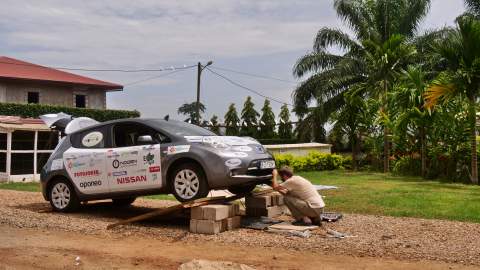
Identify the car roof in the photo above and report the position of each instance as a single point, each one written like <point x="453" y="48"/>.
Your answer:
<point x="123" y="120"/>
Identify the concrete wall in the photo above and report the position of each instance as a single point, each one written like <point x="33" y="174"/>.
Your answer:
<point x="298" y="149"/>
<point x="51" y="94"/>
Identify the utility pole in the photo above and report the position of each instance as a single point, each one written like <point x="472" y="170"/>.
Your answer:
<point x="199" y="74"/>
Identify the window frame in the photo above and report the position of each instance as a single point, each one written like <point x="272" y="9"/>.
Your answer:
<point x="112" y="131"/>
<point x="37" y="97"/>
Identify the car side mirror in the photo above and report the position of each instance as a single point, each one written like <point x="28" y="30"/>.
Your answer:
<point x="145" y="139"/>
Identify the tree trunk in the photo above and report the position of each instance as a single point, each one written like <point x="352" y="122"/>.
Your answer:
<point x="353" y="139"/>
<point x="423" y="151"/>
<point x="473" y="139"/>
<point x="386" y="146"/>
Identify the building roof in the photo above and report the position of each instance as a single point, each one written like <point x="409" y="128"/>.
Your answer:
<point x="14" y="69"/>
<point x="19" y="123"/>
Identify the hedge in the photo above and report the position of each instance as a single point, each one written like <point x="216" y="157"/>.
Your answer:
<point x="314" y="161"/>
<point x="35" y="110"/>
<point x="277" y="141"/>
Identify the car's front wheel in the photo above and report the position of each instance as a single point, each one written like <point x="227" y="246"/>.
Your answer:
<point x="63" y="197"/>
<point x="188" y="182"/>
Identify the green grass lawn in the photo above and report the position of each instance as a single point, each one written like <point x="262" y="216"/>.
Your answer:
<point x="379" y="194"/>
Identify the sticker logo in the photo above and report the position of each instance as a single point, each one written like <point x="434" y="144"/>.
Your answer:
<point x="154" y="169"/>
<point x="126" y="163"/>
<point x="234" y="162"/>
<point x="92" y="139"/>
<point x="176" y="149"/>
<point x="242" y="148"/>
<point x="57" y="164"/>
<point x="75" y="164"/>
<point x="90" y="184"/>
<point x="132" y="179"/>
<point x="87" y="173"/>
<point x="234" y="154"/>
<point x="120" y="173"/>
<point x="149" y="159"/>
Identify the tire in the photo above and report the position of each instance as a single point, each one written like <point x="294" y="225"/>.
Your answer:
<point x="242" y="189"/>
<point x="63" y="197"/>
<point x="188" y="182"/>
<point x="123" y="202"/>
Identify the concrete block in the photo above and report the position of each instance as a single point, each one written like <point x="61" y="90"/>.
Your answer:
<point x="234" y="209"/>
<point x="277" y="199"/>
<point x="272" y="211"/>
<point x="205" y="226"/>
<point x="231" y="223"/>
<point x="211" y="212"/>
<point x="258" y="201"/>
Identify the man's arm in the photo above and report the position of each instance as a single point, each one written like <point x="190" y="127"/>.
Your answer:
<point x="275" y="184"/>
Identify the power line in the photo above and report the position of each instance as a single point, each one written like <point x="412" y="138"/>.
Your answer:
<point x="101" y="70"/>
<point x="247" y="88"/>
<point x="155" y="77"/>
<point x="254" y="75"/>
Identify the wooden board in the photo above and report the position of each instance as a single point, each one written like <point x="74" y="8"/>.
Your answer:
<point x="177" y="207"/>
<point x="289" y="227"/>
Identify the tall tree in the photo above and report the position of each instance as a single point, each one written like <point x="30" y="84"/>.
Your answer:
<point x="267" y="121"/>
<point x="190" y="110"/>
<point x="379" y="49"/>
<point x="285" y="126"/>
<point x="214" y="127"/>
<point x="460" y="51"/>
<point x="249" y="118"/>
<point x="232" y="121"/>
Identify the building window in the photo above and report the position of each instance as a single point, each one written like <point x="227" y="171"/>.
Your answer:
<point x="33" y="97"/>
<point x="80" y="101"/>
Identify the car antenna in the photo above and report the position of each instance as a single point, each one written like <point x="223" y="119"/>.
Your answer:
<point x="166" y="117"/>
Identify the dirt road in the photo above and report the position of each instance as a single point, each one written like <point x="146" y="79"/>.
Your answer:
<point x="33" y="237"/>
<point x="50" y="249"/>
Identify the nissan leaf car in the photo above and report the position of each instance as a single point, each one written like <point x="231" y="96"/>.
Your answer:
<point x="124" y="159"/>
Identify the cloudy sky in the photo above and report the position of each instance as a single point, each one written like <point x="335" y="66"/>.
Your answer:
<point x="262" y="37"/>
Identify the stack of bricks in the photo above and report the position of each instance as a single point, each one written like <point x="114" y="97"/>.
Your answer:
<point x="270" y="205"/>
<point x="215" y="218"/>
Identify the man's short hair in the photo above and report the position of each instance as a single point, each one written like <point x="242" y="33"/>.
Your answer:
<point x="285" y="171"/>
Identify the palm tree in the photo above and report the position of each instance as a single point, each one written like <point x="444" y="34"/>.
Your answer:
<point x="408" y="105"/>
<point x="473" y="8"/>
<point x="460" y="51"/>
<point x="190" y="110"/>
<point x="383" y="31"/>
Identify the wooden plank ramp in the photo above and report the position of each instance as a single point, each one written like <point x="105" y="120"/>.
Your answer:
<point x="177" y="207"/>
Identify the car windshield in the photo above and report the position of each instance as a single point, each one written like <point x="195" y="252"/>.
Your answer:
<point x="184" y="129"/>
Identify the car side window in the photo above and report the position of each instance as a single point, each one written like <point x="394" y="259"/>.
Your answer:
<point x="132" y="134"/>
<point x="92" y="138"/>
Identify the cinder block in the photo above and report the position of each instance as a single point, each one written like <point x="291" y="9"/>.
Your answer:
<point x="234" y="209"/>
<point x="271" y="211"/>
<point x="205" y="226"/>
<point x="258" y="202"/>
<point x="210" y="212"/>
<point x="277" y="199"/>
<point x="231" y="223"/>
<point x="196" y="212"/>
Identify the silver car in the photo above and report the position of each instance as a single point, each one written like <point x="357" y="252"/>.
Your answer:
<point x="124" y="159"/>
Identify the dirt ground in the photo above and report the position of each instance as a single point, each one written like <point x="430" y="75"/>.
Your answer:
<point x="32" y="237"/>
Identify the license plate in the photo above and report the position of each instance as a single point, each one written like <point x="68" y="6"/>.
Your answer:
<point x="267" y="164"/>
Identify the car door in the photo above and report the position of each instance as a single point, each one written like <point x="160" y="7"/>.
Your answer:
<point x="85" y="161"/>
<point x="133" y="164"/>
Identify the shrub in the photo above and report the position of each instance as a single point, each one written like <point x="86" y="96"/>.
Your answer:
<point x="35" y="110"/>
<point x="314" y="161"/>
<point x="407" y="165"/>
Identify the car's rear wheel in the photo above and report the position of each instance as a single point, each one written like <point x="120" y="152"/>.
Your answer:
<point x="245" y="189"/>
<point x="123" y="202"/>
<point x="188" y="182"/>
<point x="63" y="197"/>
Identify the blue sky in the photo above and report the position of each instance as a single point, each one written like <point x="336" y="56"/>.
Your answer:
<point x="263" y="37"/>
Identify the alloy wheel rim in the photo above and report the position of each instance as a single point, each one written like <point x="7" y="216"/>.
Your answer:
<point x="186" y="184"/>
<point x="60" y="195"/>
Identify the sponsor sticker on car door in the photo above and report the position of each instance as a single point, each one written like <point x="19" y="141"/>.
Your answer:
<point x="86" y="168"/>
<point x="135" y="167"/>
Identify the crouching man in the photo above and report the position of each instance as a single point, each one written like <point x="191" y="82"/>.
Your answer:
<point x="300" y="196"/>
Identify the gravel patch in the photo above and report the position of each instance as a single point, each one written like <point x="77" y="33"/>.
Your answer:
<point x="375" y="236"/>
